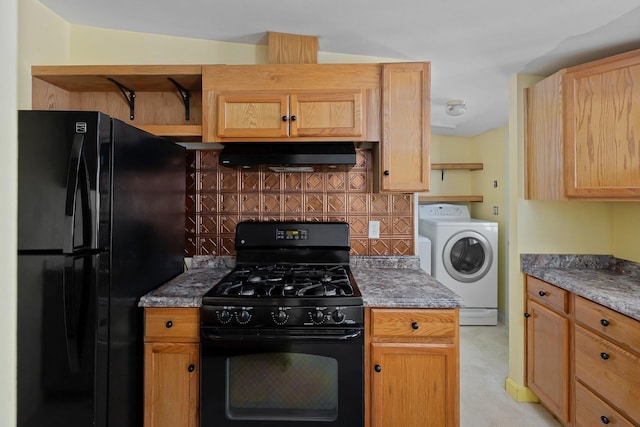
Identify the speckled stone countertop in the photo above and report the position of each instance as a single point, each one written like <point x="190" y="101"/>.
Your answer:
<point x="606" y="280"/>
<point x="383" y="282"/>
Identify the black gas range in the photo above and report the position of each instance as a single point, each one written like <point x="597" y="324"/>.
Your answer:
<point x="282" y="334"/>
<point x="293" y="274"/>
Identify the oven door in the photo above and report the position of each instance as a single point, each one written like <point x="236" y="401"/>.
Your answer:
<point x="282" y="377"/>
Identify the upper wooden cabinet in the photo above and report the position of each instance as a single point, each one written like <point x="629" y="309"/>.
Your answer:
<point x="582" y="134"/>
<point x="602" y="128"/>
<point x="163" y="100"/>
<point x="291" y="115"/>
<point x="301" y="102"/>
<point x="404" y="149"/>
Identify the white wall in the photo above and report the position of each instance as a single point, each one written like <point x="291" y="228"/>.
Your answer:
<point x="8" y="194"/>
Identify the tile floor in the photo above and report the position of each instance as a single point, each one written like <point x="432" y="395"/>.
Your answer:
<point x="483" y="369"/>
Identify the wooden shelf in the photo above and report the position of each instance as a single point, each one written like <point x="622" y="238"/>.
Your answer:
<point x="83" y="78"/>
<point x="450" y="199"/>
<point x="457" y="166"/>
<point x="177" y="132"/>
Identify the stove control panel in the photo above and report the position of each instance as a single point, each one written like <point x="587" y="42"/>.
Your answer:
<point x="292" y="234"/>
<point x="281" y="316"/>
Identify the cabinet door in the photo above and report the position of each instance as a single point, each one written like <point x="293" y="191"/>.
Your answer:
<point x="171" y="385"/>
<point x="414" y="385"/>
<point x="406" y="127"/>
<point x="338" y="113"/>
<point x="243" y="115"/>
<point x="602" y="128"/>
<point x="548" y="358"/>
<point x="543" y="140"/>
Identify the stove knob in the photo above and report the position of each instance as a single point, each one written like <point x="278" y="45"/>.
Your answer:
<point x="338" y="316"/>
<point x="317" y="317"/>
<point x="224" y="315"/>
<point x="280" y="318"/>
<point x="244" y="317"/>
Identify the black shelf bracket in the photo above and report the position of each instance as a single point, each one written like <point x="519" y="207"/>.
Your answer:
<point x="442" y="175"/>
<point x="129" y="96"/>
<point x="185" y="94"/>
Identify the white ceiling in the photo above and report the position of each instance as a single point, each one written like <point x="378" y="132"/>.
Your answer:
<point x="474" y="46"/>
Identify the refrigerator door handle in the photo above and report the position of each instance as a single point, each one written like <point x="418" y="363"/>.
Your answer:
<point x="77" y="174"/>
<point x="70" y="326"/>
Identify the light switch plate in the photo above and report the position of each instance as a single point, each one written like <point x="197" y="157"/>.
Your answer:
<point x="374" y="229"/>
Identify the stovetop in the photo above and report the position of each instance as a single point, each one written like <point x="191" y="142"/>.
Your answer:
<point x="287" y="273"/>
<point x="286" y="281"/>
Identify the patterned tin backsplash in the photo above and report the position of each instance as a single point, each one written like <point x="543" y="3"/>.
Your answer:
<point x="219" y="197"/>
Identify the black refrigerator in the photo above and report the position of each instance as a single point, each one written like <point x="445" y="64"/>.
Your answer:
<point x="101" y="209"/>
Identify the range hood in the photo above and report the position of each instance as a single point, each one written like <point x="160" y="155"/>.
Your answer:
<point x="288" y="156"/>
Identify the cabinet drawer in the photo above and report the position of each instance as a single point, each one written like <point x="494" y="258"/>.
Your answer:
<point x="591" y="411"/>
<point x="610" y="370"/>
<point x="548" y="294"/>
<point x="611" y="324"/>
<point x="174" y="324"/>
<point x="425" y="323"/>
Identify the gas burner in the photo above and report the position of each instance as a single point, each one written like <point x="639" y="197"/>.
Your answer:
<point x="286" y="280"/>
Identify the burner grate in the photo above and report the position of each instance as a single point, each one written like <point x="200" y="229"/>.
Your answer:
<point x="286" y="280"/>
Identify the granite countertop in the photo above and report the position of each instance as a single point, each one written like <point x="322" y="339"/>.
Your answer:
<point x="604" y="279"/>
<point x="383" y="282"/>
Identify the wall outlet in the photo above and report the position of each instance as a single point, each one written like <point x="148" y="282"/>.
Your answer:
<point x="495" y="210"/>
<point x="374" y="229"/>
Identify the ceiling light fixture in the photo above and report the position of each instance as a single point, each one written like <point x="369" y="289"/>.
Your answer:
<point x="457" y="107"/>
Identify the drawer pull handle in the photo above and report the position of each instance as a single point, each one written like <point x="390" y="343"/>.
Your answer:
<point x="415" y="325"/>
<point x="191" y="368"/>
<point x="541" y="293"/>
<point x="285" y="118"/>
<point x="604" y="356"/>
<point x="377" y="368"/>
<point x="527" y="315"/>
<point x="604" y="322"/>
<point x="605" y="420"/>
<point x="169" y="324"/>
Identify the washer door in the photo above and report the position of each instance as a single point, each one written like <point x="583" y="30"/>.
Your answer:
<point x="467" y="256"/>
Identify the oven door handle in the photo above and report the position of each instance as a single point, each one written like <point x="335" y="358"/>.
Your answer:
<point x="281" y="336"/>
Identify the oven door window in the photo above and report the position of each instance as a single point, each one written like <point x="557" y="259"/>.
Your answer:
<point x="282" y="386"/>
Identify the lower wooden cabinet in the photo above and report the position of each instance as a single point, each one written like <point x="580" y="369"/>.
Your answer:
<point x="548" y="358"/>
<point x="607" y="361"/>
<point x="171" y="367"/>
<point x="582" y="358"/>
<point x="413" y="367"/>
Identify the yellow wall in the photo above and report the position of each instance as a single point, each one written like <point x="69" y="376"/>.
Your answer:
<point x="38" y="27"/>
<point x="8" y="221"/>
<point x="625" y="231"/>
<point x="448" y="149"/>
<point x="489" y="149"/>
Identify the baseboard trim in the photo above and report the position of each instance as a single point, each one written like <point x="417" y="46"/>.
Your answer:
<point x="518" y="392"/>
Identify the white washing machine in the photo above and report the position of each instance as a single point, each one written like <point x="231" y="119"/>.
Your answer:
<point x="464" y="258"/>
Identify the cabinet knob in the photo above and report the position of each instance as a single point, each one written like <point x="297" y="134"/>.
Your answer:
<point x="294" y="118"/>
<point x="527" y="315"/>
<point x="386" y="173"/>
<point x="604" y="355"/>
<point x="415" y="325"/>
<point x="604" y="322"/>
<point x="604" y="419"/>
<point x="377" y="368"/>
<point x="191" y="368"/>
<point x="169" y="324"/>
<point x="541" y="293"/>
<point x="285" y="118"/>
